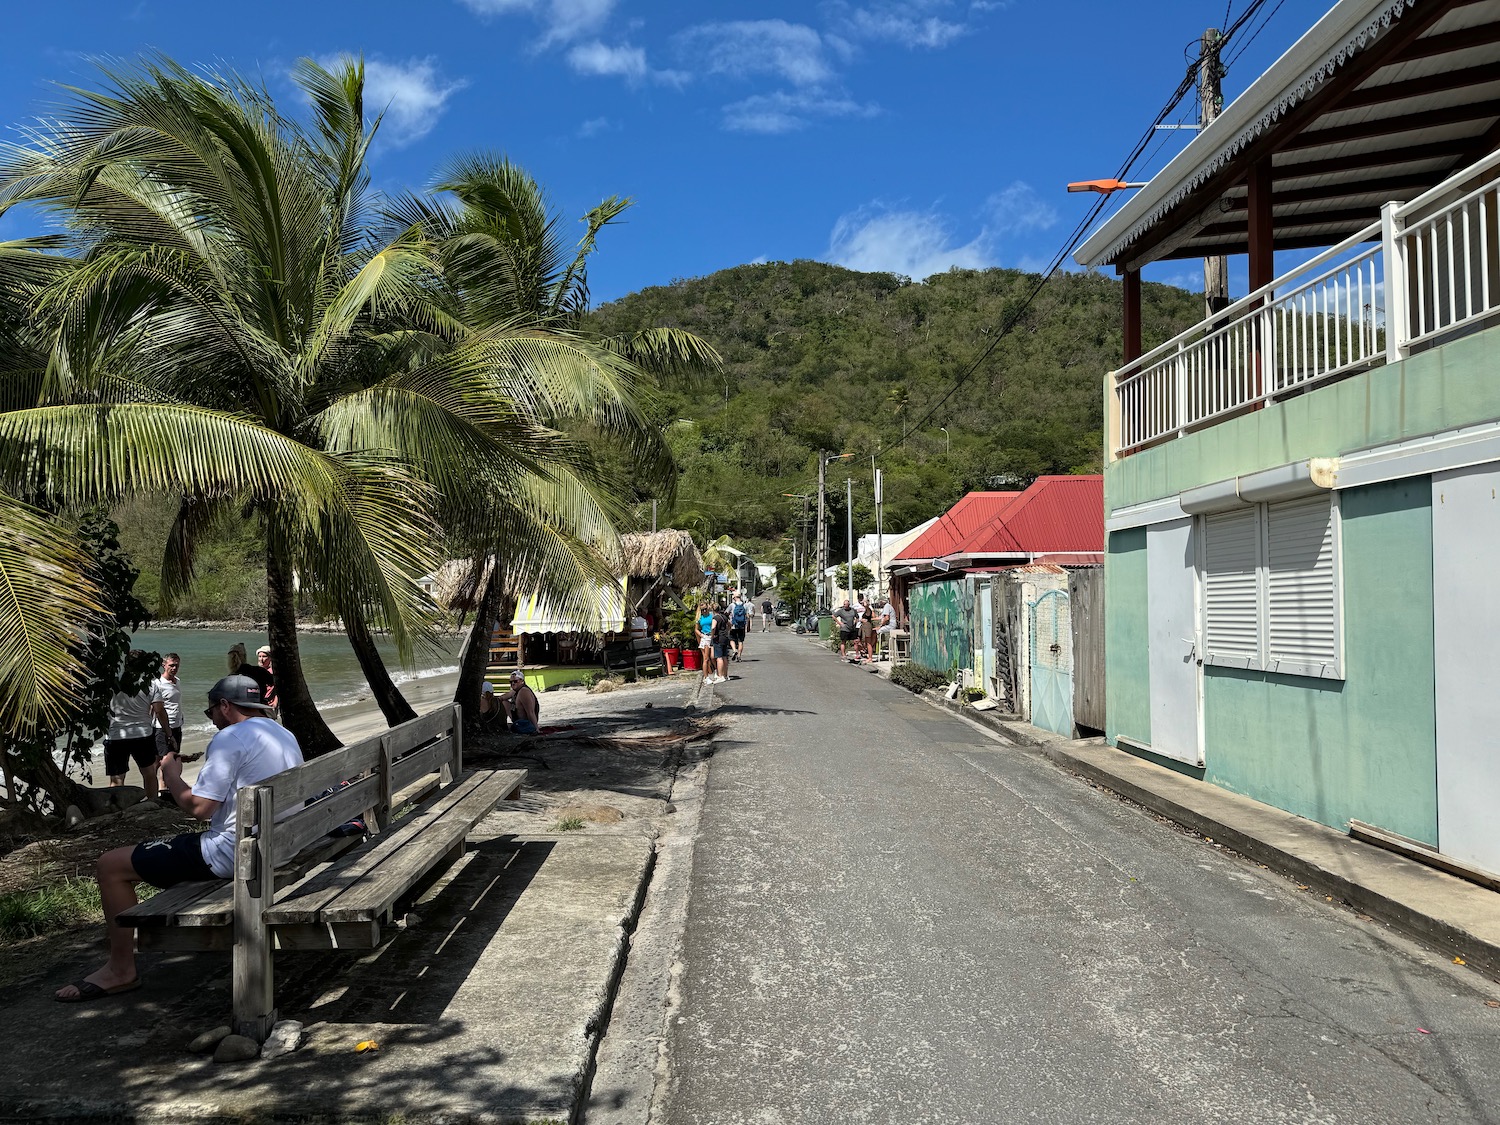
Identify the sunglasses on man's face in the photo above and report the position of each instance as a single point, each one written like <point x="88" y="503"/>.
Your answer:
<point x="208" y="712"/>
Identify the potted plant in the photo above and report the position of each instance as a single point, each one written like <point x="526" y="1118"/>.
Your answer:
<point x="671" y="650"/>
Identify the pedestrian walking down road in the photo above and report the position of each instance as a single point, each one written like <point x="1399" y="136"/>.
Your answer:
<point x="739" y="622"/>
<point x="706" y="641"/>
<point x="765" y="614"/>
<point x="719" y="633"/>
<point x="848" y="622"/>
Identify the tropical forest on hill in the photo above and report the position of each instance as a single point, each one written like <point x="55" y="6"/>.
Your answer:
<point x="817" y="357"/>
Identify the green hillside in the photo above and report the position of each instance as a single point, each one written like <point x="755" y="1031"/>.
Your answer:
<point x="820" y="357"/>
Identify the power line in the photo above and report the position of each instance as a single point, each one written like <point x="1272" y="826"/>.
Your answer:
<point x="1189" y="81"/>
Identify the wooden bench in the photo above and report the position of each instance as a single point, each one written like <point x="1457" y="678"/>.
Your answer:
<point x="295" y="886"/>
<point x="638" y="654"/>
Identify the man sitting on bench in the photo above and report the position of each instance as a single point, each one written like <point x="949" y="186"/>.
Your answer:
<point x="521" y="705"/>
<point x="249" y="747"/>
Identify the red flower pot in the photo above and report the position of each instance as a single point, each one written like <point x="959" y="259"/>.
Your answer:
<point x="671" y="656"/>
<point x="690" y="660"/>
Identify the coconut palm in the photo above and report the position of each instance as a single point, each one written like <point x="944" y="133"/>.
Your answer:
<point x="225" y="289"/>
<point x="509" y="275"/>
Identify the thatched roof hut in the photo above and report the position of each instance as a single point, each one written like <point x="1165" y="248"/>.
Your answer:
<point x="650" y="554"/>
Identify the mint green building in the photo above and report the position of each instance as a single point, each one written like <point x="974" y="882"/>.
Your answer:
<point x="1302" y="494"/>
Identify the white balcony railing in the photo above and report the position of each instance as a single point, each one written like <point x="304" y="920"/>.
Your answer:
<point x="1422" y="271"/>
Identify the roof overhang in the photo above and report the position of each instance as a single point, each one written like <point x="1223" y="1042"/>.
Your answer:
<point x="1379" y="101"/>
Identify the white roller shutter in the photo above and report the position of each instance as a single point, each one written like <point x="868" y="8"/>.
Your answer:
<point x="1231" y="588"/>
<point x="1303" y="619"/>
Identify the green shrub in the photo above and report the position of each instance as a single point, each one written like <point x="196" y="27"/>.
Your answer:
<point x="915" y="677"/>
<point x="44" y="910"/>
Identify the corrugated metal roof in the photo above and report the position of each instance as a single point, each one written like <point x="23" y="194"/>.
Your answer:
<point x="1379" y="101"/>
<point x="957" y="524"/>
<point x="1056" y="515"/>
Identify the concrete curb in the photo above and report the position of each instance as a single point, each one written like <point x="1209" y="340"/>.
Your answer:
<point x="1456" y="917"/>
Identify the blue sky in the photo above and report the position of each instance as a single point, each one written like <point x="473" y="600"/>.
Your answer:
<point x="907" y="136"/>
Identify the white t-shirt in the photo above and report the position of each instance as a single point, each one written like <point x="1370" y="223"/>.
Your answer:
<point x="169" y="695"/>
<point x="638" y="627"/>
<point x="129" y="716"/>
<point x="240" y="755"/>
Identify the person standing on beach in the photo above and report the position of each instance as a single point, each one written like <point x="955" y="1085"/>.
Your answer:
<point x="131" y="736"/>
<point x="249" y="747"/>
<point x="166" y="709"/>
<point x="268" y="689"/>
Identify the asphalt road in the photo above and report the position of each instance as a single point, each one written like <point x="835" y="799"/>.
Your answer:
<point x="895" y="918"/>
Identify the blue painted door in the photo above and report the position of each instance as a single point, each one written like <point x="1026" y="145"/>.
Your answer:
<point x="1052" y="663"/>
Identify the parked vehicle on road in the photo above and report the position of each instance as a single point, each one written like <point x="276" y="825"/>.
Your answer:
<point x="783" y="613"/>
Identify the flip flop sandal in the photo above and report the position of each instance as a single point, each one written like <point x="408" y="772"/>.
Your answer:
<point x="89" y="992"/>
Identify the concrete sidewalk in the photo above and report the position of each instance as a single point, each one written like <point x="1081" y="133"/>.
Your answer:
<point x="488" y="1003"/>
<point x="1456" y="917"/>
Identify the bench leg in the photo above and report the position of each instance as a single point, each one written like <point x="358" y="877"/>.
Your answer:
<point x="254" y="888"/>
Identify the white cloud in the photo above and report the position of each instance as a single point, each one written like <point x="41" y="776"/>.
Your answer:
<point x="1018" y="208"/>
<point x="410" y="96"/>
<point x="900" y="27"/>
<point x="917" y="244"/>
<point x="742" y="48"/>
<point x="564" y="20"/>
<point x="782" y="112"/>
<point x="594" y="126"/>
<point x="597" y="59"/>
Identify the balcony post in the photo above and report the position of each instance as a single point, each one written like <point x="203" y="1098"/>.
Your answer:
<point x="1132" y="315"/>
<point x="1262" y="239"/>
<point x="1397" y="320"/>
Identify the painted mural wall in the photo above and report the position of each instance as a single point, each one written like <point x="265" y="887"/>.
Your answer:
<point x="942" y="624"/>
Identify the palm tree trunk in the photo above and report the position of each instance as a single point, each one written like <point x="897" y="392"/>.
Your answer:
<point x="476" y="659"/>
<point x="392" y="703"/>
<point x="299" y="714"/>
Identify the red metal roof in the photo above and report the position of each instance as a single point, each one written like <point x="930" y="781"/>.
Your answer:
<point x="961" y="521"/>
<point x="1056" y="515"/>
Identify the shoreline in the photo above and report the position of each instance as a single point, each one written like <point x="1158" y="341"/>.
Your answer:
<point x="250" y="625"/>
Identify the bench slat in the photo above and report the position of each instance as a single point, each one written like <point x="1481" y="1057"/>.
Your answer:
<point x="163" y="908"/>
<point x="307" y="825"/>
<point x="295" y="785"/>
<point x="427" y="835"/>
<point x="304" y="902"/>
<point x="374" y="896"/>
<point x="417" y="731"/>
<point x="418" y="763"/>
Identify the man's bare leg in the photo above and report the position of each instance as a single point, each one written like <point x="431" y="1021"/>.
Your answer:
<point x="117" y="880"/>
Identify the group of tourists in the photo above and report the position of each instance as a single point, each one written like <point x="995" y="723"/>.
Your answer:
<point x="519" y="708"/>
<point x="145" y="726"/>
<point x="861" y="624"/>
<point x="721" y="634"/>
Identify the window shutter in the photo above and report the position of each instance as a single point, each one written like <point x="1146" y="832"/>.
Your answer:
<point x="1304" y="629"/>
<point x="1231" y="589"/>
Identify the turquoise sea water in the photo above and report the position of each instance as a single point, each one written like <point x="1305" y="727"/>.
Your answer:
<point x="332" y="672"/>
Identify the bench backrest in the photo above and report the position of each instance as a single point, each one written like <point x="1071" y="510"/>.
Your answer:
<point x="368" y="775"/>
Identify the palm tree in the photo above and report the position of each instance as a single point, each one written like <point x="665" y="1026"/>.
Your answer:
<point x="522" y="292"/>
<point x="225" y="290"/>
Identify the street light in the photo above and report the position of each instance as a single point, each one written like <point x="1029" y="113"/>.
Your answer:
<point x="948" y="441"/>
<point x="1102" y="187"/>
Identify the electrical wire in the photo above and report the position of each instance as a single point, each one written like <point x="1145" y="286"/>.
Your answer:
<point x="1189" y="81"/>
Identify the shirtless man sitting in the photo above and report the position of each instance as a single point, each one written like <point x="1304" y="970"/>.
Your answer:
<point x="521" y="705"/>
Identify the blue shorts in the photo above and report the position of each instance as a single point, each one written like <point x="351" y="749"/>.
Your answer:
<point x="721" y="652"/>
<point x="165" y="863"/>
<point x="525" y="726"/>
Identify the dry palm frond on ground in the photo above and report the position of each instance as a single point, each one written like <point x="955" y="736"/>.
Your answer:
<point x="681" y="733"/>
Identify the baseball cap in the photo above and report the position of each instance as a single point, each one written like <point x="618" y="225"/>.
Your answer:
<point x="264" y="650"/>
<point x="487" y="688"/>
<point x="241" y="691"/>
<point x="517" y="674"/>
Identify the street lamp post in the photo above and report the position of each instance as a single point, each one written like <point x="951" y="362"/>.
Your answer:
<point x="947" y="441"/>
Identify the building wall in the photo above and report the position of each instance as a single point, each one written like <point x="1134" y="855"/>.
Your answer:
<point x="942" y="624"/>
<point x="1127" y="678"/>
<point x="1447" y="387"/>
<point x="1363" y="747"/>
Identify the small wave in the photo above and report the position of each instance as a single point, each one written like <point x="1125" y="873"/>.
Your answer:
<point x="425" y="674"/>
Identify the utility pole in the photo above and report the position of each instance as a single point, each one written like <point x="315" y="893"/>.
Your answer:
<point x="1210" y="102"/>
<point x="879" y="530"/>
<point x="849" y="536"/>
<point x="821" y="556"/>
